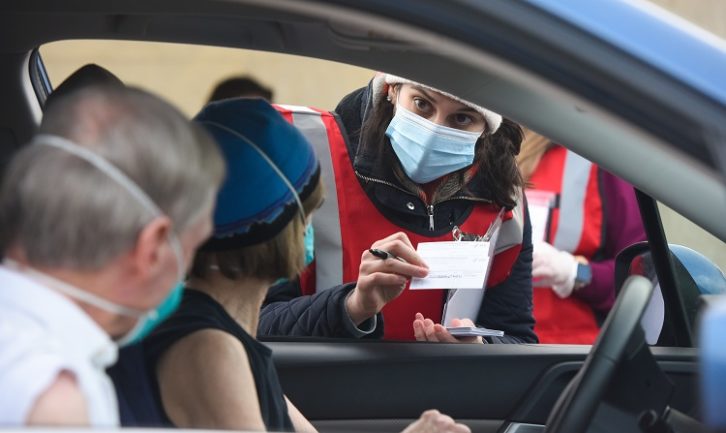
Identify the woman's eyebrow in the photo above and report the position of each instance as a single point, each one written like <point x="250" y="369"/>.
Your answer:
<point x="466" y="109"/>
<point x="435" y="98"/>
<point x="426" y="93"/>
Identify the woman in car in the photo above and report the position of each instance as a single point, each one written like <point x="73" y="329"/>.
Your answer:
<point x="208" y="369"/>
<point x="419" y="165"/>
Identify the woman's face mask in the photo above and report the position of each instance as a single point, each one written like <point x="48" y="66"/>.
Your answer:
<point x="309" y="250"/>
<point x="309" y="244"/>
<point x="426" y="150"/>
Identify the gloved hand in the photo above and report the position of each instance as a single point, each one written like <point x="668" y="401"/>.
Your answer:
<point x="554" y="268"/>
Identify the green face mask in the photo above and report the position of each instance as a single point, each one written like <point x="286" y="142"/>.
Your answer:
<point x="154" y="317"/>
<point x="309" y="250"/>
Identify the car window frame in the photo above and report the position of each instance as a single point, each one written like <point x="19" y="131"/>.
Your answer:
<point x="676" y="321"/>
<point x="675" y="317"/>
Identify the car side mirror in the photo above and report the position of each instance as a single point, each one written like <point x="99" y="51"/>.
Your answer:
<point x="696" y="278"/>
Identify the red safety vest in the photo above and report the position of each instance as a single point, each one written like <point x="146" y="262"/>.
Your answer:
<point x="348" y="223"/>
<point x="576" y="226"/>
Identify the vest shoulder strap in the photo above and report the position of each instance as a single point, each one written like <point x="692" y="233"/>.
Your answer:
<point x="316" y="125"/>
<point x="575" y="180"/>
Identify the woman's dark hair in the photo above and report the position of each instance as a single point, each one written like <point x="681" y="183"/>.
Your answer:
<point x="495" y="154"/>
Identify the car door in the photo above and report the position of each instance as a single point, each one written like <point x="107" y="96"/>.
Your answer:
<point x="379" y="385"/>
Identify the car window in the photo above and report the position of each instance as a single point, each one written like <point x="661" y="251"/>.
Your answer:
<point x="186" y="74"/>
<point x="682" y="231"/>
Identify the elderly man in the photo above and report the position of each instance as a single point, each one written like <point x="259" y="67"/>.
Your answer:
<point x="100" y="217"/>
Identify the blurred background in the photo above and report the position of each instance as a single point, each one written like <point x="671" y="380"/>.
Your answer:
<point x="187" y="74"/>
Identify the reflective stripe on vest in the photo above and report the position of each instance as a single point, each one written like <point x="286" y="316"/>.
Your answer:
<point x="326" y="221"/>
<point x="575" y="181"/>
<point x="577" y="220"/>
<point x="577" y="229"/>
<point x="512" y="230"/>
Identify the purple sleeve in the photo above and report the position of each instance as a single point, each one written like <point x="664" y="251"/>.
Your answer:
<point x="623" y="227"/>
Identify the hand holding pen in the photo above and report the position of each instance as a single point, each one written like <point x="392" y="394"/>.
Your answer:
<point x="384" y="254"/>
<point x="383" y="274"/>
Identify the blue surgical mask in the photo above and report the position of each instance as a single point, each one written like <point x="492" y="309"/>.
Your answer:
<point x="309" y="244"/>
<point x="426" y="150"/>
<point x="309" y="250"/>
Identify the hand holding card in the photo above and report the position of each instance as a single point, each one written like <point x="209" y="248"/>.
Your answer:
<point x="425" y="329"/>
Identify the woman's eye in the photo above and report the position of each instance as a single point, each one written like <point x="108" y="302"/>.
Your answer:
<point x="421" y="104"/>
<point x="463" y="119"/>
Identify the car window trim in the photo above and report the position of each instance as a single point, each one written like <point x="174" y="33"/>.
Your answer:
<point x="39" y="77"/>
<point x="676" y="317"/>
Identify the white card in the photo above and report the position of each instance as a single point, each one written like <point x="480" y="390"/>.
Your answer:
<point x="453" y="265"/>
<point x="539" y="216"/>
<point x="539" y="205"/>
<point x="462" y="304"/>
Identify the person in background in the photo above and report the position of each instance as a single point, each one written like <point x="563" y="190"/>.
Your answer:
<point x="262" y="211"/>
<point x="98" y="228"/>
<point x="89" y="74"/>
<point x="244" y="86"/>
<point x="582" y="216"/>
<point x="410" y="164"/>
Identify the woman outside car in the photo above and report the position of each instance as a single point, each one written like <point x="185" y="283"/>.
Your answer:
<point x="418" y="163"/>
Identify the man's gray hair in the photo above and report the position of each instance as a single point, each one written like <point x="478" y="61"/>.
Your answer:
<point x="64" y="212"/>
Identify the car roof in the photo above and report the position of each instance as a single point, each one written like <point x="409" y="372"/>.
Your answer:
<point x="658" y="37"/>
<point x="558" y="74"/>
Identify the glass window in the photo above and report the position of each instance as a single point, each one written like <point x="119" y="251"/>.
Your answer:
<point x="680" y="230"/>
<point x="186" y="74"/>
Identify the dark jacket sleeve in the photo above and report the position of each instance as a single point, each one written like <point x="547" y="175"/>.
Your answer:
<point x="287" y="313"/>
<point x="508" y="305"/>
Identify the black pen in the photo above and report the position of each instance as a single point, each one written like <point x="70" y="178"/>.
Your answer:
<point x="383" y="255"/>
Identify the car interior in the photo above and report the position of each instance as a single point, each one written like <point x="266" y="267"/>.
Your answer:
<point x="531" y="65"/>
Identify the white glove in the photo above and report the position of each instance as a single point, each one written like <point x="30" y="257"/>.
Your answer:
<point x="554" y="268"/>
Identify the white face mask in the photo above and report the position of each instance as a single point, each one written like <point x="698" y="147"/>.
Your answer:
<point x="145" y="318"/>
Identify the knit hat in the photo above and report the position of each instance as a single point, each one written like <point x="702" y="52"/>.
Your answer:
<point x="380" y="87"/>
<point x="267" y="158"/>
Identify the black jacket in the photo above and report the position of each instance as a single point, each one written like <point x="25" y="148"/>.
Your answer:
<point x="287" y="313"/>
<point x="507" y="306"/>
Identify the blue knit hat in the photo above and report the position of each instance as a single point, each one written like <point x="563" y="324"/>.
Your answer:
<point x="266" y="157"/>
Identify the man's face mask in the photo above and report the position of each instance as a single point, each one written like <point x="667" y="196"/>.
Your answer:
<point x="146" y="320"/>
<point x="426" y="150"/>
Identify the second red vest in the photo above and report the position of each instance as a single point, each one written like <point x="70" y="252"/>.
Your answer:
<point x="576" y="226"/>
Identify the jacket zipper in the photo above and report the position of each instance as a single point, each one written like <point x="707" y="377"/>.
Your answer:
<point x="371" y="179"/>
<point x="429" y="207"/>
